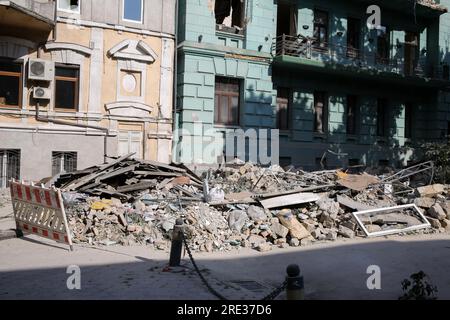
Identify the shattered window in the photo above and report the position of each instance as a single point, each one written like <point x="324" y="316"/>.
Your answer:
<point x="69" y="5"/>
<point x="230" y="13"/>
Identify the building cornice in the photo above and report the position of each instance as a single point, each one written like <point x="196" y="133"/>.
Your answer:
<point x="92" y="24"/>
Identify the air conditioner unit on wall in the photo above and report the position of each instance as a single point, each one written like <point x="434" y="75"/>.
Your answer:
<point x="39" y="69"/>
<point x="42" y="93"/>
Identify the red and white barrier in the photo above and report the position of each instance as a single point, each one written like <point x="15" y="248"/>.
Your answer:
<point x="40" y="211"/>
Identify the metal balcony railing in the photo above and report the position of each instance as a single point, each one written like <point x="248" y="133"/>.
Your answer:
<point x="338" y="55"/>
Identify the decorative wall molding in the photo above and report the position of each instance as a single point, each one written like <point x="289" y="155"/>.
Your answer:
<point x="133" y="50"/>
<point x="68" y="46"/>
<point x="129" y="109"/>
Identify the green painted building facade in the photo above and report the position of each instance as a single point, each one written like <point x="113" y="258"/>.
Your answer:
<point x="339" y="92"/>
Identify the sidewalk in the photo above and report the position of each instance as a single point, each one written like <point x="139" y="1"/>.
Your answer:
<point x="35" y="268"/>
<point x="331" y="271"/>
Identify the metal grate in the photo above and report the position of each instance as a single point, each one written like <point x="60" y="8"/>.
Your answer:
<point x="63" y="162"/>
<point x="250" y="285"/>
<point x="9" y="166"/>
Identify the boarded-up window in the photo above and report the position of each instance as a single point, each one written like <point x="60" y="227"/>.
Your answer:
<point x="320" y="111"/>
<point x="227" y="92"/>
<point x="283" y="108"/>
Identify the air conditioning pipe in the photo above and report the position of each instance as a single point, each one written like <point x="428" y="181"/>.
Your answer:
<point x="86" y="126"/>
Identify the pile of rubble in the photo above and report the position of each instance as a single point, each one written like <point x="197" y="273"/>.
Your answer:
<point x="5" y="197"/>
<point x="130" y="202"/>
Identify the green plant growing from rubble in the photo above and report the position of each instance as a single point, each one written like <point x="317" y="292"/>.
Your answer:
<point x="439" y="153"/>
<point x="418" y="288"/>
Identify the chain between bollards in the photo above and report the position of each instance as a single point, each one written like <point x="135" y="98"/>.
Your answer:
<point x="294" y="284"/>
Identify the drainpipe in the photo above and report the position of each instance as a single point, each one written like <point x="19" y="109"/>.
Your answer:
<point x="55" y="17"/>
<point x="85" y="126"/>
<point x="175" y="78"/>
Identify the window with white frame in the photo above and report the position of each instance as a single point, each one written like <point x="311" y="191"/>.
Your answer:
<point x="132" y="10"/>
<point x="69" y="5"/>
<point x="63" y="162"/>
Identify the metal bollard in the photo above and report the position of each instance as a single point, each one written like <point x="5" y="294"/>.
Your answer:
<point x="177" y="244"/>
<point x="295" y="285"/>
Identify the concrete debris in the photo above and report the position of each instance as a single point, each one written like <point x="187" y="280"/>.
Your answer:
<point x="279" y="230"/>
<point x="356" y="182"/>
<point x="346" y="232"/>
<point x="430" y="191"/>
<point x="237" y="220"/>
<point x="437" y="212"/>
<point x="296" y="229"/>
<point x="133" y="202"/>
<point x="424" y="202"/>
<point x="257" y="214"/>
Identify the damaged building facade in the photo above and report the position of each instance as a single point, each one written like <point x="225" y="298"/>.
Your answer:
<point x="339" y="92"/>
<point x="84" y="80"/>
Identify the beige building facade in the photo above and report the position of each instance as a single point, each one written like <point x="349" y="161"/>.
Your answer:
<point x="106" y="86"/>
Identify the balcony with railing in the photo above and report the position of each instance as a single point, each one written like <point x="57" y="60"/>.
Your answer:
<point x="308" y="53"/>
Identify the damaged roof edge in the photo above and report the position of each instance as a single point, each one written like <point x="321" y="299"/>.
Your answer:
<point x="27" y="11"/>
<point x="432" y="5"/>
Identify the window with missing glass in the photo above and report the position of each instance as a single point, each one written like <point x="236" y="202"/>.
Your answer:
<point x="382" y="117"/>
<point x="408" y="120"/>
<point x="320" y="111"/>
<point x="10" y="83"/>
<point x="352" y="114"/>
<point x="69" y="5"/>
<point x="67" y="78"/>
<point x="283" y="108"/>
<point x="227" y="92"/>
<point x="321" y="28"/>
<point x="133" y="10"/>
<point x="63" y="162"/>
<point x="383" y="45"/>
<point x="353" y="37"/>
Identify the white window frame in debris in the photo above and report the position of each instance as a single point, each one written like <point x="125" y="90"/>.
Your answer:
<point x="424" y="225"/>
